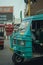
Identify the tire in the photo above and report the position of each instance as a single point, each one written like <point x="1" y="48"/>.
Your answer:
<point x="2" y="47"/>
<point x="17" y="59"/>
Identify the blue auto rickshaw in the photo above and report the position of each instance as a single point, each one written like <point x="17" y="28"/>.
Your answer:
<point x="27" y="43"/>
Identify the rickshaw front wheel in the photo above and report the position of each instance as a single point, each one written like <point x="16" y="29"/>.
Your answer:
<point x="17" y="59"/>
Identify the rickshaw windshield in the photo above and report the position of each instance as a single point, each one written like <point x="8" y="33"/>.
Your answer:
<point x="23" y="26"/>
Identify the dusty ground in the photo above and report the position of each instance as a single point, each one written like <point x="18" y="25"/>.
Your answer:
<point x="6" y="55"/>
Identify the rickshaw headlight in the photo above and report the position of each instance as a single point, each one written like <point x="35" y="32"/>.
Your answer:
<point x="22" y="43"/>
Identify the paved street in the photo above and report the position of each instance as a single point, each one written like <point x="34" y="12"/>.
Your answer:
<point x="6" y="55"/>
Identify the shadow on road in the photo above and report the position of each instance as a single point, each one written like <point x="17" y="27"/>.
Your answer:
<point x="35" y="61"/>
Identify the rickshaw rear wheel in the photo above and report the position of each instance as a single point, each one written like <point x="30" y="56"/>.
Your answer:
<point x="17" y="59"/>
<point x="2" y="47"/>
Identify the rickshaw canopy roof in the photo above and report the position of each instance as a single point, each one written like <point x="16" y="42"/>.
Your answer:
<point x="35" y="17"/>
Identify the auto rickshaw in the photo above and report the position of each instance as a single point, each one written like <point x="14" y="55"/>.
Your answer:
<point x="27" y="43"/>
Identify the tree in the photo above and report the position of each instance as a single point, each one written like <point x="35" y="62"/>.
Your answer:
<point x="26" y="1"/>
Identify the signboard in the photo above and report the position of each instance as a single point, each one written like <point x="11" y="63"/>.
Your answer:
<point x="21" y="15"/>
<point x="6" y="16"/>
<point x="6" y="13"/>
<point x="6" y="9"/>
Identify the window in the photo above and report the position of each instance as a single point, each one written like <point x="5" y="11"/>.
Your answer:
<point x="6" y="9"/>
<point x="0" y="9"/>
<point x="33" y="1"/>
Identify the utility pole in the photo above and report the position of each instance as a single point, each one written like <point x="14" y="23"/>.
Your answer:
<point x="28" y="4"/>
<point x="29" y="7"/>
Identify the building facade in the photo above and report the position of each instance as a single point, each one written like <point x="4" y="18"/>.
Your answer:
<point x="6" y="13"/>
<point x="35" y="7"/>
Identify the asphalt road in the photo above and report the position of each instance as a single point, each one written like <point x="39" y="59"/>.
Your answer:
<point x="6" y="55"/>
